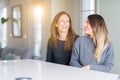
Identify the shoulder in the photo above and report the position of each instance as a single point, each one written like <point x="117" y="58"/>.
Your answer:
<point x="110" y="47"/>
<point x="84" y="38"/>
<point x="76" y="36"/>
<point x="109" y="50"/>
<point x="49" y="42"/>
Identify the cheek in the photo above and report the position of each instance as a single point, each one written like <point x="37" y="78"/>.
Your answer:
<point x="90" y="29"/>
<point x="86" y="28"/>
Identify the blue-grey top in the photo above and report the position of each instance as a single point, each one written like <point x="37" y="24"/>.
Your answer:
<point x="83" y="54"/>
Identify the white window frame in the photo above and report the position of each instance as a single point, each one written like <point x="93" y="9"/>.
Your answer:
<point x="87" y="7"/>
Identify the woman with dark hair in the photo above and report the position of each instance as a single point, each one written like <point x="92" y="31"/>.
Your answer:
<point x="93" y="51"/>
<point x="61" y="40"/>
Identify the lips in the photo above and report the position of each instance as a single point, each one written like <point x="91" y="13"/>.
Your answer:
<point x="65" y="27"/>
<point x="85" y="28"/>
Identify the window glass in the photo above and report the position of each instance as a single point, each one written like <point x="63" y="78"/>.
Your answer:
<point x="88" y="7"/>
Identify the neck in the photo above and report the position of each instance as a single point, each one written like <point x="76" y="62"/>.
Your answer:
<point x="62" y="36"/>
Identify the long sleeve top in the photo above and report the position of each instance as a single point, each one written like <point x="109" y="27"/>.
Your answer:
<point x="58" y="54"/>
<point x="83" y="54"/>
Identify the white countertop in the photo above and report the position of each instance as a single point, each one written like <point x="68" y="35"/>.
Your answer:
<point x="39" y="70"/>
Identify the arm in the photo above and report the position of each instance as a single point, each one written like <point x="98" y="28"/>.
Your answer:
<point x="107" y="65"/>
<point x="74" y="61"/>
<point x="49" y="52"/>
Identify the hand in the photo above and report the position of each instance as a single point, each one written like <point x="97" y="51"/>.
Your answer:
<point x="87" y="67"/>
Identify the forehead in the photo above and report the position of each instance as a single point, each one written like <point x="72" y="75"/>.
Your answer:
<point x="64" y="16"/>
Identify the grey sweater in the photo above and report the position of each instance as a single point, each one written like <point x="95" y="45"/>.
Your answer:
<point x="83" y="54"/>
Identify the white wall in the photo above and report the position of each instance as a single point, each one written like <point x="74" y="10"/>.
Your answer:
<point x="110" y="10"/>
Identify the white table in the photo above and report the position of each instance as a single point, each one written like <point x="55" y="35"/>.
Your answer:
<point x="39" y="70"/>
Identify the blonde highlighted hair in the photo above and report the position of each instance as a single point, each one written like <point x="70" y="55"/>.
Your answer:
<point x="100" y="31"/>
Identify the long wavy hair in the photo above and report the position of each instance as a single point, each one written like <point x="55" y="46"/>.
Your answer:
<point x="101" y="40"/>
<point x="54" y="32"/>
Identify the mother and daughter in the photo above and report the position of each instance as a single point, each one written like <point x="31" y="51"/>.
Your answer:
<point x="93" y="51"/>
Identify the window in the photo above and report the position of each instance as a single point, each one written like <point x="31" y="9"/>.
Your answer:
<point x="3" y="28"/>
<point x="87" y="7"/>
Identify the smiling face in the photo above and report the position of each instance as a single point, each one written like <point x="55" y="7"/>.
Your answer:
<point x="63" y="24"/>
<point x="88" y="29"/>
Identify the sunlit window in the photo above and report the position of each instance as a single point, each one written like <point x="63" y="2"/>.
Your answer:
<point x="88" y="7"/>
<point x="3" y="28"/>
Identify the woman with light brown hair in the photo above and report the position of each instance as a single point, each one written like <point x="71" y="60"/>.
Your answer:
<point x="94" y="50"/>
<point x="61" y="40"/>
